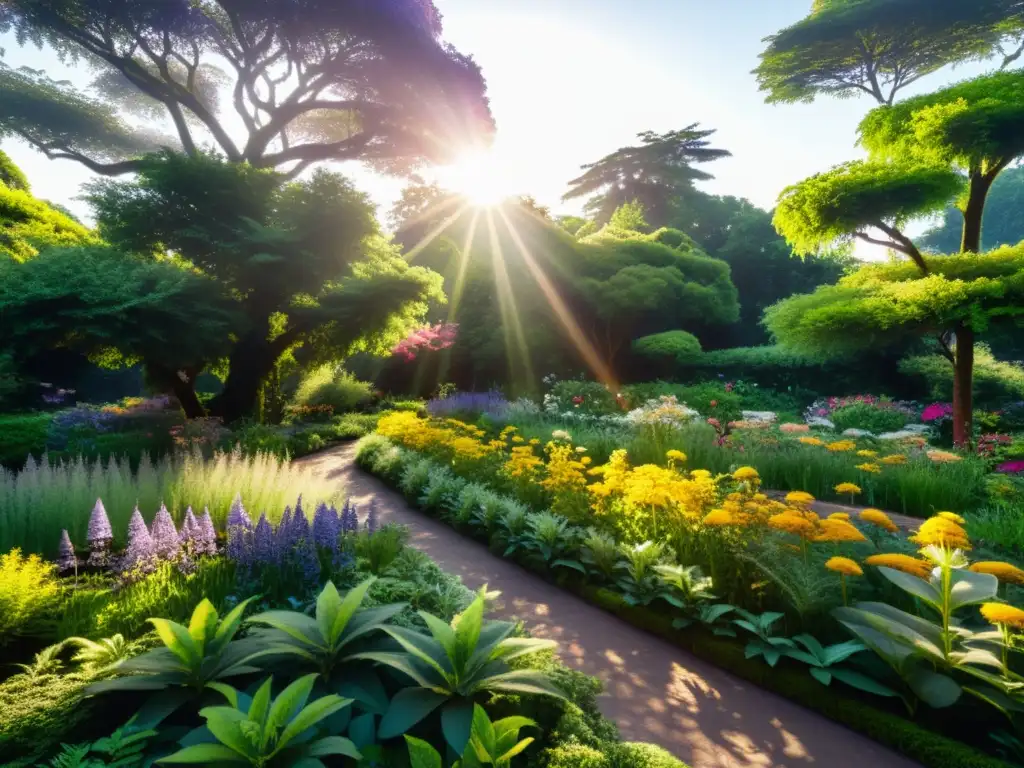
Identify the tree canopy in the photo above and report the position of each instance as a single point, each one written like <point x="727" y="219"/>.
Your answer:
<point x="12" y="175"/>
<point x="306" y="81"/>
<point x="28" y="225"/>
<point x="652" y="174"/>
<point x="1002" y="223"/>
<point x="878" y="47"/>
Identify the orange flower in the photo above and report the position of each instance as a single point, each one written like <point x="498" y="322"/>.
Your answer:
<point x="1005" y="572"/>
<point x="844" y="565"/>
<point x="879" y="518"/>
<point x="838" y="530"/>
<point x="941" y="532"/>
<point x="1000" y="613"/>
<point x="905" y="563"/>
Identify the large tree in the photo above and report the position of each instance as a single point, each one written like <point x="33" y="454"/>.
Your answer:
<point x="652" y="174"/>
<point x="846" y="48"/>
<point x="923" y="151"/>
<point x="1002" y="224"/>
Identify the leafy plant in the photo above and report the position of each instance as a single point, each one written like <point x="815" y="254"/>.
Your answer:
<point x="601" y="552"/>
<point x="100" y="655"/>
<point x="28" y="591"/>
<point x="380" y="548"/>
<point x="451" y="665"/>
<point x="270" y="732"/>
<point x="489" y="743"/>
<point x="325" y="640"/>
<point x="711" y="617"/>
<point x="822" y="660"/>
<point x="193" y="656"/>
<point x="46" y="662"/>
<point x="642" y="583"/>
<point x="689" y="583"/>
<point x="123" y="748"/>
<point x="764" y="644"/>
<point x="551" y="541"/>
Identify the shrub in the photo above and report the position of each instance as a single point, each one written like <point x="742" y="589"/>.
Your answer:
<point x="669" y="349"/>
<point x="586" y="397"/>
<point x="28" y="592"/>
<point x="637" y="755"/>
<point x="712" y="400"/>
<point x="575" y="756"/>
<point x="873" y="417"/>
<point x="995" y="381"/>
<point x="333" y="386"/>
<point x="255" y="438"/>
<point x="23" y="435"/>
<point x="37" y="712"/>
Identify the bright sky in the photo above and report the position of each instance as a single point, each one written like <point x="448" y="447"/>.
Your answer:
<point x="574" y="80"/>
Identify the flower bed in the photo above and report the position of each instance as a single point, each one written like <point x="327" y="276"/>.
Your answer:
<point x="646" y="533"/>
<point x="251" y="636"/>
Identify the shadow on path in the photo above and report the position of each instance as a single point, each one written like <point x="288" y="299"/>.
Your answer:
<point x="655" y="691"/>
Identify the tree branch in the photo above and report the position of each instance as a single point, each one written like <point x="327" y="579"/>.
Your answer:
<point x="311" y="153"/>
<point x="1009" y="58"/>
<point x="287" y="113"/>
<point x="904" y="245"/>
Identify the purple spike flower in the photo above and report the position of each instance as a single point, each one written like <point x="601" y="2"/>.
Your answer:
<point x="299" y="527"/>
<point x="306" y="559"/>
<point x="66" y="559"/>
<point x="189" y="528"/>
<point x="165" y="536"/>
<point x="99" y="535"/>
<point x="239" y="532"/>
<point x="206" y="538"/>
<point x="140" y="552"/>
<point x="264" y="547"/>
<point x="372" y="517"/>
<point x="325" y="526"/>
<point x="349" y="518"/>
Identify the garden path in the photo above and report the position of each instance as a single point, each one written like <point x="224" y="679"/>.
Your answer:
<point x="655" y="691"/>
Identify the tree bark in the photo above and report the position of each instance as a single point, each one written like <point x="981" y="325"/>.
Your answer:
<point x="251" y="362"/>
<point x="973" y="212"/>
<point x="184" y="389"/>
<point x="963" y="386"/>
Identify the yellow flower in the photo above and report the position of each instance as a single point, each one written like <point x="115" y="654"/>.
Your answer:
<point x="941" y="532"/>
<point x="952" y="516"/>
<point x="905" y="563"/>
<point x="799" y="497"/>
<point x="849" y="488"/>
<point x="839" y="516"/>
<point x="792" y="523"/>
<point x="943" y="457"/>
<point x="811" y="441"/>
<point x="867" y="454"/>
<point x="1000" y="613"/>
<point x="844" y="565"/>
<point x="1005" y="572"/>
<point x="717" y="517"/>
<point x="871" y="468"/>
<point x="895" y="458"/>
<point x="517" y="439"/>
<point x="746" y="473"/>
<point x="700" y="474"/>
<point x="585" y="460"/>
<point x="879" y="518"/>
<point x="534" y="441"/>
<point x="841" y="446"/>
<point x="837" y="531"/>
<point x="674" y="455"/>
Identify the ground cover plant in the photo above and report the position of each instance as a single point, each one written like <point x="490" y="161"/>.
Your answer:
<point x="848" y="598"/>
<point x="174" y="652"/>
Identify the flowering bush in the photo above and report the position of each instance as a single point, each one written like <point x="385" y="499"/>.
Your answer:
<point x="937" y="412"/>
<point x="665" y="411"/>
<point x="492" y="403"/>
<point x="429" y="339"/>
<point x="584" y="397"/>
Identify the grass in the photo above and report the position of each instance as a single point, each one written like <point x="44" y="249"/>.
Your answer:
<point x="38" y="502"/>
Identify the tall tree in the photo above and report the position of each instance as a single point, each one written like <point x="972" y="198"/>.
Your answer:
<point x="923" y="151"/>
<point x="302" y="263"/>
<point x="878" y="47"/>
<point x="307" y="81"/>
<point x="1002" y="224"/>
<point x="652" y="174"/>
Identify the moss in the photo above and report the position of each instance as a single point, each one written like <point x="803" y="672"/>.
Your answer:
<point x="575" y="756"/>
<point x="636" y="755"/>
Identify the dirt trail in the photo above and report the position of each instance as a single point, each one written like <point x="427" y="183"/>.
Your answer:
<point x="656" y="692"/>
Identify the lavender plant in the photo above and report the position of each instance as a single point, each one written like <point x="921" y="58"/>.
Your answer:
<point x="492" y="403"/>
<point x="139" y="557"/>
<point x="349" y="518"/>
<point x="99" y="536"/>
<point x="166" y="543"/>
<point x="66" y="558"/>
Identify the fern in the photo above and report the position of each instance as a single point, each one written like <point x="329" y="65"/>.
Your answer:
<point x="73" y="756"/>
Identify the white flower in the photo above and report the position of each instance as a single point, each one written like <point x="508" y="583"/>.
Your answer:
<point x="561" y="434"/>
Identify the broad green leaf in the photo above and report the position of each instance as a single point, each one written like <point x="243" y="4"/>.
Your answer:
<point x="892" y="652"/>
<point x="367" y="620"/>
<point x="842" y="651"/>
<point x="401" y="662"/>
<point x="178" y="641"/>
<point x="717" y="611"/>
<point x="933" y="689"/>
<point x="804" y="657"/>
<point x="333" y="745"/>
<point x="457" y="723"/>
<point x="308" y="762"/>
<point x="311" y="715"/>
<point x="441" y="631"/>
<point x="485" y="740"/>
<point x="223" y="723"/>
<point x="227" y="691"/>
<point x="812" y="645"/>
<point x="771" y="656"/>
<point x="135" y="683"/>
<point x="521" y="681"/>
<point x="229" y="625"/>
<point x="823" y="676"/>
<point x="467" y="632"/>
<point x="353" y="599"/>
<point x="978" y="656"/>
<point x="297" y="625"/>
<point x="520" y="646"/>
<point x="365" y="687"/>
<point x="290" y="701"/>
<point x="203" y="623"/>
<point x="506" y="757"/>
<point x="363" y="730"/>
<point x="261" y="703"/>
<point x="913" y="585"/>
<point x="422" y="754"/>
<point x="424" y="648"/>
<point x="204" y="754"/>
<point x="969" y="588"/>
<point x="408" y="707"/>
<point x="328" y="605"/>
<point x="862" y="682"/>
<point x="923" y="636"/>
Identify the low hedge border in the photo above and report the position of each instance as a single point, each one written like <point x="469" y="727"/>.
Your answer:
<point x="916" y="742"/>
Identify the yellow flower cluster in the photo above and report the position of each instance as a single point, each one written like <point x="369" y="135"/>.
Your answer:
<point x="943" y="457"/>
<point x="894" y="459"/>
<point x="873" y="469"/>
<point x="1005" y="572"/>
<point x="811" y="441"/>
<point x="844" y="565"/>
<point x="1000" y="613"/>
<point x="879" y="518"/>
<point x="842" y="446"/>
<point x="848" y="488"/>
<point x="906" y="563"/>
<point x="941" y="532"/>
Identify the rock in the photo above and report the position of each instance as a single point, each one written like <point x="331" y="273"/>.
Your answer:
<point x="901" y="435"/>
<point x="769" y="417"/>
<point x="917" y="429"/>
<point x="818" y="421"/>
<point x="851" y="432"/>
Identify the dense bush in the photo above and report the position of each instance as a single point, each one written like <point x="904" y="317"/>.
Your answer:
<point x="22" y="435"/>
<point x="665" y="352"/>
<point x="28" y="592"/>
<point x="581" y="396"/>
<point x="873" y="417"/>
<point x="332" y="386"/>
<point x="996" y="382"/>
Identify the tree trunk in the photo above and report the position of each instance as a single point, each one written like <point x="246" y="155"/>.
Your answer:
<point x="250" y="364"/>
<point x="963" y="385"/>
<point x="184" y="389"/>
<point x="973" y="212"/>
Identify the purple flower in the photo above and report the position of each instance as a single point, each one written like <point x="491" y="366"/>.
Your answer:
<point x="140" y="552"/>
<point x="186" y="565"/>
<point x="189" y="528"/>
<point x="305" y="558"/>
<point x="99" y="536"/>
<point x="206" y="538"/>
<point x="325" y="526"/>
<point x="264" y="548"/>
<point x="66" y="559"/>
<point x="492" y="403"/>
<point x="165" y="536"/>
<point x="349" y="518"/>
<point x="239" y="533"/>
<point x="299" y="527"/>
<point x="1011" y="467"/>
<point x="372" y="517"/>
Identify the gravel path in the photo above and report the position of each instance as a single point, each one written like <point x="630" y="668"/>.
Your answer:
<point x="655" y="691"/>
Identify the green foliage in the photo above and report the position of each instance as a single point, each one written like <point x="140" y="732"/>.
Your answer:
<point x="336" y="387"/>
<point x="28" y="225"/>
<point x="995" y="381"/>
<point x="380" y="548"/>
<point x="834" y="206"/>
<point x="629" y="216"/>
<point x="123" y="748"/>
<point x="668" y="348"/>
<point x="37" y="712"/>
<point x="327" y="640"/>
<point x="24" y="436"/>
<point x="1001" y="225"/>
<point x="878" y="46"/>
<point x="650" y="175"/>
<point x="269" y="732"/>
<point x="12" y="175"/>
<point x="489" y="743"/>
<point x="591" y="397"/>
<point x="29" y="592"/>
<point x="869" y="416"/>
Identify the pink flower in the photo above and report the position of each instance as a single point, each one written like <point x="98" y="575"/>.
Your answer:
<point x="1011" y="467"/>
<point x="937" y="411"/>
